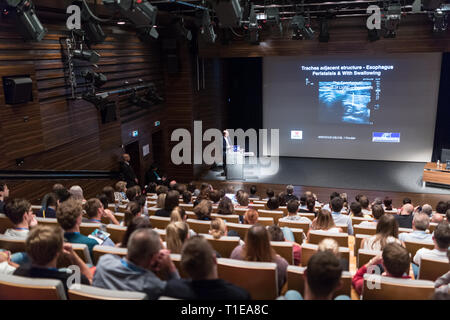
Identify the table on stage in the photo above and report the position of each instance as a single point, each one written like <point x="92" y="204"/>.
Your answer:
<point x="433" y="174"/>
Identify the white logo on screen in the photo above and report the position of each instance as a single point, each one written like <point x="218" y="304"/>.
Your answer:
<point x="296" y="134"/>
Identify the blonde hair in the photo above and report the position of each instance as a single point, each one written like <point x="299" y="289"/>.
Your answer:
<point x="251" y="216"/>
<point x="218" y="228"/>
<point x="161" y="200"/>
<point x="176" y="234"/>
<point x="121" y="186"/>
<point x="177" y="214"/>
<point x="329" y="244"/>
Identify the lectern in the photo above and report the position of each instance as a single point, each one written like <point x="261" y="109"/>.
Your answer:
<point x="235" y="164"/>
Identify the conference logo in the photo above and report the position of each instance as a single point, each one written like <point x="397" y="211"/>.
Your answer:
<point x="189" y="149"/>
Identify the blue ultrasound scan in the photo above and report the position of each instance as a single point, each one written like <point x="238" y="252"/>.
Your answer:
<point x="345" y="101"/>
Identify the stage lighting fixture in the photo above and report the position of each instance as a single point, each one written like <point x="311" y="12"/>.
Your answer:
<point x="272" y="15"/>
<point x="324" y="35"/>
<point x="29" y="24"/>
<point x="392" y="19"/>
<point x="206" y="26"/>
<point x="440" y="21"/>
<point x="93" y="31"/>
<point x="86" y="55"/>
<point x="301" y="29"/>
<point x="229" y="13"/>
<point x="97" y="79"/>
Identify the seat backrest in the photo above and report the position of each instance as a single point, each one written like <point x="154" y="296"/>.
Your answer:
<point x="299" y="235"/>
<point x="258" y="278"/>
<point x="186" y="206"/>
<point x="370" y="230"/>
<point x="122" y="208"/>
<point x="310" y="216"/>
<point x="241" y="229"/>
<point x="87" y="228"/>
<point x="358" y="220"/>
<point x="284" y="209"/>
<point x="98" y="251"/>
<point x="162" y="233"/>
<point x="5" y="223"/>
<point x="233" y="218"/>
<point x="344" y="227"/>
<point x="413" y="246"/>
<point x="240" y="211"/>
<point x="47" y="221"/>
<point x="275" y="214"/>
<point x="432" y="226"/>
<point x="152" y="210"/>
<point x="256" y="206"/>
<point x="199" y="226"/>
<point x="224" y="245"/>
<point x="12" y="244"/>
<point x="84" y="292"/>
<point x="176" y="259"/>
<point x="191" y="215"/>
<point x="364" y="256"/>
<point x="431" y="269"/>
<point x="295" y="224"/>
<point x="284" y="249"/>
<point x="81" y="250"/>
<point x="407" y="230"/>
<point x="159" y="222"/>
<point x="315" y="236"/>
<point x="265" y="221"/>
<point x="116" y="232"/>
<point x="120" y="216"/>
<point x="358" y="240"/>
<point x="24" y="288"/>
<point x="296" y="281"/>
<point x="309" y="249"/>
<point x="378" y="287"/>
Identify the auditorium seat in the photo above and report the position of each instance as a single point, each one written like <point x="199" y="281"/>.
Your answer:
<point x="47" y="221"/>
<point x="308" y="250"/>
<point x="85" y="292"/>
<point x="413" y="246"/>
<point x="122" y="208"/>
<point x="433" y="226"/>
<point x="159" y="222"/>
<point x="116" y="232"/>
<point x="295" y="224"/>
<point x="432" y="268"/>
<point x="358" y="240"/>
<point x="296" y="281"/>
<point x="275" y="214"/>
<point x="12" y="244"/>
<point x="256" y="206"/>
<point x="191" y="215"/>
<point x="258" y="278"/>
<point x="370" y="230"/>
<point x="378" y="287"/>
<point x="199" y="226"/>
<point x="5" y="223"/>
<point x="36" y="209"/>
<point x="240" y="211"/>
<point x="176" y="259"/>
<point x="233" y="218"/>
<point x="364" y="256"/>
<point x="265" y="221"/>
<point x="391" y="211"/>
<point x="24" y="288"/>
<point x="299" y="235"/>
<point x="408" y="230"/>
<point x="162" y="233"/>
<point x="120" y="216"/>
<point x="310" y="216"/>
<point x="81" y="250"/>
<point x="284" y="249"/>
<point x="284" y="209"/>
<point x="241" y="229"/>
<point x="315" y="236"/>
<point x="344" y="227"/>
<point x="225" y="245"/>
<point x="87" y="228"/>
<point x="358" y="220"/>
<point x="186" y="206"/>
<point x="152" y="210"/>
<point x="98" y="251"/>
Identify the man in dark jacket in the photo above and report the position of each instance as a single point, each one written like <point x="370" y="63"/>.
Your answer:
<point x="126" y="171"/>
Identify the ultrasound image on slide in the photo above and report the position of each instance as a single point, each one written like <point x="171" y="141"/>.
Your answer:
<point x="345" y="101"/>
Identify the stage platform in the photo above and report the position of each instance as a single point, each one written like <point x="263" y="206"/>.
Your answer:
<point x="340" y="173"/>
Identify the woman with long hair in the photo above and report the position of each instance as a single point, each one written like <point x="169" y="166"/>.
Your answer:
<point x="324" y="221"/>
<point x="203" y="210"/>
<point x="135" y="224"/>
<point x="178" y="214"/>
<point x="387" y="232"/>
<point x="134" y="209"/>
<point x="225" y="206"/>
<point x="49" y="206"/>
<point x="176" y="235"/>
<point x="251" y="216"/>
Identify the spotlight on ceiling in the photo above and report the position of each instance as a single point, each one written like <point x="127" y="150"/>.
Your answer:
<point x="93" y="31"/>
<point x="86" y="55"/>
<point x="29" y="24"/>
<point x="300" y="28"/>
<point x="391" y="19"/>
<point x="97" y="79"/>
<point x="229" y="12"/>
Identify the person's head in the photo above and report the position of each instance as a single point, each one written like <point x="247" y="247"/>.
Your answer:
<point x="203" y="210"/>
<point x="176" y="234"/>
<point x="292" y="207"/>
<point x="323" y="221"/>
<point x="214" y="196"/>
<point x="252" y="190"/>
<point x="270" y="193"/>
<point x="387" y="226"/>
<point x="226" y="133"/>
<point x="62" y="194"/>
<point x="191" y="187"/>
<point x="218" y="228"/>
<point x="282" y="199"/>
<point x="387" y="203"/>
<point x="126" y="157"/>
<point x="407" y="209"/>
<point x="437" y="218"/>
<point x="187" y="197"/>
<point x="337" y="204"/>
<point x="273" y="203"/>
<point x="178" y="214"/>
<point x="310" y="203"/>
<point x="421" y="221"/>
<point x="396" y="259"/>
<point x="251" y="216"/>
<point x="243" y="199"/>
<point x="44" y="244"/>
<point x="275" y="233"/>
<point x="161" y="200"/>
<point x="334" y="195"/>
<point x="19" y="211"/>
<point x="329" y="244"/>
<point x="441" y="235"/>
<point x="364" y="201"/>
<point x="173" y="185"/>
<point x="76" y="192"/>
<point x="355" y="208"/>
<point x="133" y="209"/>
<point x="151" y="187"/>
<point x="121" y="186"/>
<point x="135" y="224"/>
<point x="69" y="214"/>
<point x="323" y="275"/>
<point x="94" y="208"/>
<point x="133" y="192"/>
<point x="289" y="189"/>
<point x="377" y="211"/>
<point x="257" y="245"/>
<point x="377" y="201"/>
<point x="49" y="200"/>
<point x="161" y="189"/>
<point x="4" y="191"/>
<point x="406" y="200"/>
<point x="225" y="206"/>
<point x="427" y="209"/>
<point x="172" y="200"/>
<point x="303" y="198"/>
<point x="441" y="207"/>
<point x="56" y="187"/>
<point x="104" y="200"/>
<point x="198" y="259"/>
<point x="109" y="192"/>
<point x="143" y="248"/>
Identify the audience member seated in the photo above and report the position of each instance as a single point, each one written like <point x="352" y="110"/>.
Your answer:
<point x="136" y="272"/>
<point x="214" y="196"/>
<point x="393" y="262"/>
<point x="339" y="218"/>
<point x="198" y="260"/>
<point x="442" y="284"/>
<point x="61" y="193"/>
<point x="242" y="200"/>
<point x="22" y="217"/>
<point x="187" y="197"/>
<point x="292" y="208"/>
<point x="257" y="248"/>
<point x="302" y="207"/>
<point x="4" y="193"/>
<point x="427" y="209"/>
<point x="405" y="217"/>
<point x="276" y="234"/>
<point x="386" y="232"/>
<point x="120" y="193"/>
<point x="282" y="199"/>
<point x="95" y="211"/>
<point x="77" y="193"/>
<point x="310" y="206"/>
<point x="377" y="212"/>
<point x="253" y="192"/>
<point x="161" y="200"/>
<point x="420" y="224"/>
<point x="364" y="202"/>
<point x="192" y="188"/>
<point x="356" y="211"/>
<point x="324" y="221"/>
<point x="406" y="201"/>
<point x="225" y="206"/>
<point x="251" y="216"/>
<point x="161" y="189"/>
<point x="441" y="207"/>
<point x="176" y="235"/>
<point x="387" y="204"/>
<point x="135" y="194"/>
<point x="447" y="215"/>
<point x="133" y="209"/>
<point x="49" y="205"/>
<point x="437" y="218"/>
<point x="332" y="196"/>
<point x="44" y="245"/>
<point x="273" y="203"/>
<point x="135" y="224"/>
<point x="172" y="201"/>
<point x="6" y="265"/>
<point x="332" y="246"/>
<point x="270" y="194"/>
<point x="290" y="193"/>
<point x="203" y="210"/>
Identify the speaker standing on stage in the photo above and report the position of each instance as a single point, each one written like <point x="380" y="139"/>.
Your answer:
<point x="126" y="171"/>
<point x="226" y="146"/>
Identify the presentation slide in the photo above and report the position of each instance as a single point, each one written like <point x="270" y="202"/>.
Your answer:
<point x="353" y="107"/>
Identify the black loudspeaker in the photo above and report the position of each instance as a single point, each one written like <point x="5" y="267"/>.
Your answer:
<point x="172" y="63"/>
<point x="18" y="89"/>
<point x="445" y="155"/>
